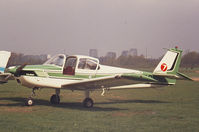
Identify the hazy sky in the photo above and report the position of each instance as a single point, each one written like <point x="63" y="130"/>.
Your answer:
<point x="75" y="26"/>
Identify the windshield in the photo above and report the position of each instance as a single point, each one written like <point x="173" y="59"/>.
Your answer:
<point x="57" y="60"/>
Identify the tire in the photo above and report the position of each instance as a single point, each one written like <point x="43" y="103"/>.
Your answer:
<point x="29" y="102"/>
<point x="55" y="99"/>
<point x="88" y="103"/>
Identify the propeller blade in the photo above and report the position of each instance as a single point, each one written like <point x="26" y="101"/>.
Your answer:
<point x="19" y="69"/>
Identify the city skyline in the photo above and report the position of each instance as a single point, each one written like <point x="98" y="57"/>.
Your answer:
<point x="74" y="27"/>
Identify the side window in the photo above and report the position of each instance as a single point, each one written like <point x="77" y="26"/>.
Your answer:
<point x="88" y="64"/>
<point x="82" y="63"/>
<point x="71" y="61"/>
<point x="69" y="68"/>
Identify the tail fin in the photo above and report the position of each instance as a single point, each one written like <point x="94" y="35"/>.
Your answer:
<point x="170" y="63"/>
<point x="4" y="57"/>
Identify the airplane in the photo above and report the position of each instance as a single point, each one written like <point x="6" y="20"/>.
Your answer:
<point x="4" y="57"/>
<point x="86" y="74"/>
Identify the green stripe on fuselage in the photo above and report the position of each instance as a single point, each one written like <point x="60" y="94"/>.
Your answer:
<point x="78" y="76"/>
<point x="37" y="68"/>
<point x="42" y="67"/>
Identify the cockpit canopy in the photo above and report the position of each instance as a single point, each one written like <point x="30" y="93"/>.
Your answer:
<point x="81" y="65"/>
<point x="75" y="64"/>
<point x="57" y="60"/>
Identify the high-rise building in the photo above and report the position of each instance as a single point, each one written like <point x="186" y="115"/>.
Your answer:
<point x="93" y="53"/>
<point x="125" y="53"/>
<point x="111" y="55"/>
<point x="133" y="52"/>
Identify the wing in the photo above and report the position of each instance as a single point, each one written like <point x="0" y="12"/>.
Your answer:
<point x="107" y="82"/>
<point x="97" y="83"/>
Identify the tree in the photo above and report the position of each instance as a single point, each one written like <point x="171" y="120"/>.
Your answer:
<point x="190" y="60"/>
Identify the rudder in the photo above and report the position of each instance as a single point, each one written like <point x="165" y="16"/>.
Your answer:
<point x="170" y="63"/>
<point x="4" y="57"/>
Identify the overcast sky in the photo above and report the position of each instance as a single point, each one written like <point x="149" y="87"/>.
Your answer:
<point x="75" y="26"/>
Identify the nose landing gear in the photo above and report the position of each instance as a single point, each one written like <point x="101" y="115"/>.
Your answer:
<point x="29" y="101"/>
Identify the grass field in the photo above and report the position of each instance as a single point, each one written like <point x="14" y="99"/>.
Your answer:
<point x="169" y="109"/>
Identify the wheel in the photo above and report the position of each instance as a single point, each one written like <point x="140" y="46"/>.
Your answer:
<point x="88" y="103"/>
<point x="29" y="102"/>
<point x="55" y="99"/>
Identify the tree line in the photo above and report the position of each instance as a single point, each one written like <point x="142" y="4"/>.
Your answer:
<point x="19" y="59"/>
<point x="189" y="60"/>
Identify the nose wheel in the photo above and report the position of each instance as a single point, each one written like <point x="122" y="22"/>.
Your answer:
<point x="29" y="102"/>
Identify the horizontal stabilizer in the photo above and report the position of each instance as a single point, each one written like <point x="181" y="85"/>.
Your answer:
<point x="184" y="76"/>
<point x="178" y="76"/>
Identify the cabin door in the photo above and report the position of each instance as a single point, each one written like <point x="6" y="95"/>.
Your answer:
<point x="70" y="65"/>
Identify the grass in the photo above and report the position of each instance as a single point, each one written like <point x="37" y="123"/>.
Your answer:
<point x="169" y="109"/>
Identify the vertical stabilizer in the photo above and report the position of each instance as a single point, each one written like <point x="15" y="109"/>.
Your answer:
<point x="170" y="62"/>
<point x="4" y="57"/>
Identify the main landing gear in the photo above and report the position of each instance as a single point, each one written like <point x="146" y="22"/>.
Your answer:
<point x="55" y="98"/>
<point x="88" y="102"/>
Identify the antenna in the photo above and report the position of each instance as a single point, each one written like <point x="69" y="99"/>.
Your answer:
<point x="146" y="53"/>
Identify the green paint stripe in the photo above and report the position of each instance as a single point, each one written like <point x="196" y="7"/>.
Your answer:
<point x="75" y="76"/>
<point x="42" y="67"/>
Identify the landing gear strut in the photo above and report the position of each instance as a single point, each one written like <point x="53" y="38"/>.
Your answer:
<point x="29" y="101"/>
<point x="88" y="102"/>
<point x="55" y="99"/>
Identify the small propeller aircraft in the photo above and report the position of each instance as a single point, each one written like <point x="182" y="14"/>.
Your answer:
<point x="4" y="57"/>
<point x="84" y="73"/>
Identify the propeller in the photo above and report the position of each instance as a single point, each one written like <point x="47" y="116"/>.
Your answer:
<point x="19" y="69"/>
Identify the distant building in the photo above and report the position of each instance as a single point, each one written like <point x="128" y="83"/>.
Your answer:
<point x="111" y="55"/>
<point x="133" y="52"/>
<point x="93" y="53"/>
<point x="125" y="53"/>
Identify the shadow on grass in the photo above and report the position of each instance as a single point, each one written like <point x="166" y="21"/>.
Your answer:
<point x="18" y="101"/>
<point x="111" y="101"/>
